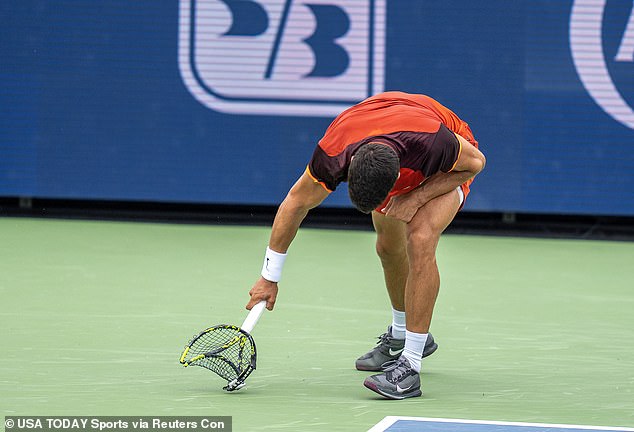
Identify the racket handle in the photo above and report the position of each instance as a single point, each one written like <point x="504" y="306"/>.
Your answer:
<point x="254" y="315"/>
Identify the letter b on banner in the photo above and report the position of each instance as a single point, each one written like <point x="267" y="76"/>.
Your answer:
<point x="282" y="57"/>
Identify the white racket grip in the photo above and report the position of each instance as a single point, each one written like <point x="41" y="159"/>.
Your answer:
<point x="254" y="315"/>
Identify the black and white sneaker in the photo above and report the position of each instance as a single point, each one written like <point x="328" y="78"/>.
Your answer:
<point x="398" y="381"/>
<point x="388" y="350"/>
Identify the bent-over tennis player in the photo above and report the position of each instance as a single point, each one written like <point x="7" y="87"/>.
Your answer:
<point x="410" y="162"/>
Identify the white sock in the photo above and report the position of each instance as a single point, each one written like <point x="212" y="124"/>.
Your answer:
<point x="398" y="324"/>
<point x="414" y="345"/>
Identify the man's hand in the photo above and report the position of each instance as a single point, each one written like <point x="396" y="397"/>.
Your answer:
<point x="263" y="290"/>
<point x="403" y="207"/>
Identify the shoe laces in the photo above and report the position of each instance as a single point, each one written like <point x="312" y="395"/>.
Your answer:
<point x="385" y="341"/>
<point x="395" y="369"/>
<point x="385" y="338"/>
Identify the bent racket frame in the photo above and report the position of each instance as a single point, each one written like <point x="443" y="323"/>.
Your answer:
<point x="227" y="350"/>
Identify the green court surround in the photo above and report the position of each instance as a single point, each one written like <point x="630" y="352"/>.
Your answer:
<point x="94" y="316"/>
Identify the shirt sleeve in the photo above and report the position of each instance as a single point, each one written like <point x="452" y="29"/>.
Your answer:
<point x="445" y="150"/>
<point x="326" y="170"/>
<point x="316" y="180"/>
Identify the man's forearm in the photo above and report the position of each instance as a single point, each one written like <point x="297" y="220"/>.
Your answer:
<point x="303" y="196"/>
<point x="440" y="184"/>
<point x="287" y="221"/>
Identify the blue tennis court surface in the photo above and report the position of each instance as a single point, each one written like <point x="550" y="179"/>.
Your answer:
<point x="411" y="424"/>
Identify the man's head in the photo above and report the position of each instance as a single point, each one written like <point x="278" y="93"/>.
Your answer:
<point x="372" y="173"/>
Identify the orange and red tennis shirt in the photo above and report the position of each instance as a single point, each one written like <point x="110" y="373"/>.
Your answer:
<point x="417" y="127"/>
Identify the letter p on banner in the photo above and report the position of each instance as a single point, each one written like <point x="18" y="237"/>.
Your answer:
<point x="282" y="57"/>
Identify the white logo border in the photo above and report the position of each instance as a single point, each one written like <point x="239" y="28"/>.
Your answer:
<point x="282" y="108"/>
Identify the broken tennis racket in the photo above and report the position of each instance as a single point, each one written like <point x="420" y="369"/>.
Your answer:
<point x="226" y="350"/>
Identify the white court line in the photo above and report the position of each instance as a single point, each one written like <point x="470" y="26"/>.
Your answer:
<point x="390" y="420"/>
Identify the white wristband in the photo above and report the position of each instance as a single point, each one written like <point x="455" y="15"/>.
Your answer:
<point x="273" y="264"/>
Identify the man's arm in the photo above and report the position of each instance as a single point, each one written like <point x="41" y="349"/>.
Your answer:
<point x="470" y="162"/>
<point x="303" y="196"/>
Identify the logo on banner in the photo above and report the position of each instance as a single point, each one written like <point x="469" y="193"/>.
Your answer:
<point x="592" y="61"/>
<point x="282" y="57"/>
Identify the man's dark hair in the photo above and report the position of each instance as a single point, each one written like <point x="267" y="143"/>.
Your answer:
<point x="372" y="173"/>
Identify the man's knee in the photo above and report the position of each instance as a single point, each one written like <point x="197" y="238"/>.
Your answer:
<point x="424" y="231"/>
<point x="390" y="249"/>
<point x="422" y="241"/>
<point x="391" y="241"/>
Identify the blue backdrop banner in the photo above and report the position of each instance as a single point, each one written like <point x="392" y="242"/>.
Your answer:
<point x="223" y="101"/>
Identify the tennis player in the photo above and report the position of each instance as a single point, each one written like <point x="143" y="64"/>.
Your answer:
<point x="410" y="162"/>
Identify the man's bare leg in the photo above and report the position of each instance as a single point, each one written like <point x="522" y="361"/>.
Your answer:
<point x="423" y="282"/>
<point x="402" y="379"/>
<point x="391" y="247"/>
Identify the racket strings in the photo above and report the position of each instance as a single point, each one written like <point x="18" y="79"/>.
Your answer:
<point x="226" y="350"/>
